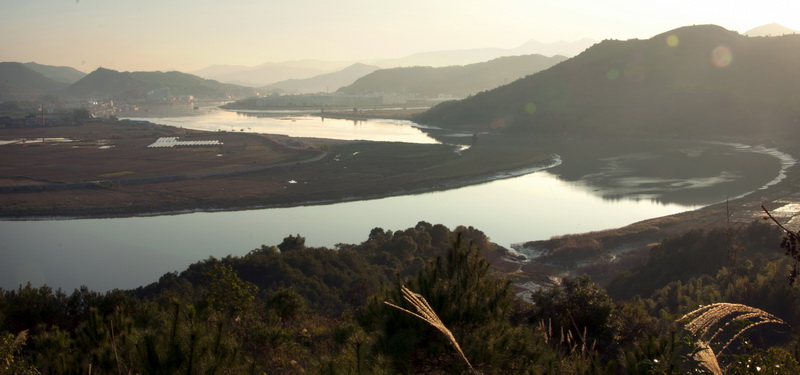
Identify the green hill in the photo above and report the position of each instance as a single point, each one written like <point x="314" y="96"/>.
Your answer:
<point x="698" y="80"/>
<point x="19" y="81"/>
<point x="106" y="83"/>
<point x="322" y="82"/>
<point x="63" y="74"/>
<point x="457" y="81"/>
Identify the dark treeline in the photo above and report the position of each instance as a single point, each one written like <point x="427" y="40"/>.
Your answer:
<point x="292" y="309"/>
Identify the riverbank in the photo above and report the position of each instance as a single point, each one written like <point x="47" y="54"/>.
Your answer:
<point x="245" y="171"/>
<point x="252" y="171"/>
<point x="603" y="254"/>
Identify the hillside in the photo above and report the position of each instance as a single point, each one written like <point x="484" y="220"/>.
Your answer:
<point x="106" y="83"/>
<point x="63" y="74"/>
<point x="323" y="82"/>
<point x="457" y="81"/>
<point x="698" y="80"/>
<point x="19" y="81"/>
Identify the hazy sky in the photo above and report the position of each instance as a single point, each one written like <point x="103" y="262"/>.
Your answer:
<point x="192" y="34"/>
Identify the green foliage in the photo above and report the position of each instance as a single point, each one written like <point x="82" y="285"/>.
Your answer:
<point x="692" y="254"/>
<point x="292" y="243"/>
<point x="665" y="353"/>
<point x="772" y="361"/>
<point x="10" y="347"/>
<point x="578" y="313"/>
<point x="475" y="306"/>
<point x="185" y="341"/>
<point x="317" y="310"/>
<point x="286" y="303"/>
<point x="226" y="293"/>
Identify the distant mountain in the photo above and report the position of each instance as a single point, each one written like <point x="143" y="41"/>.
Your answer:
<point x="772" y="29"/>
<point x="471" y="56"/>
<point x="216" y="70"/>
<point x="324" y="82"/>
<point x="563" y="48"/>
<point x="269" y="73"/>
<point x="699" y="80"/>
<point x="63" y="74"/>
<point x="107" y="83"/>
<point x="459" y="81"/>
<point x="273" y="72"/>
<point x="18" y="81"/>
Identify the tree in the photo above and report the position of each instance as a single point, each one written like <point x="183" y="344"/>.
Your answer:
<point x="579" y="311"/>
<point x="81" y="114"/>
<point x="470" y="302"/>
<point x="10" y="347"/>
<point x="226" y="292"/>
<point x="292" y="243"/>
<point x="286" y="303"/>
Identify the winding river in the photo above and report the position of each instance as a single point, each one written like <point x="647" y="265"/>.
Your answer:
<point x="124" y="253"/>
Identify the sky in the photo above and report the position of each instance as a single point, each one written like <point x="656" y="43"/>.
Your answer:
<point x="187" y="35"/>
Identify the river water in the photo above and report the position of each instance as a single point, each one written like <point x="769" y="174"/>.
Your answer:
<point x="124" y="253"/>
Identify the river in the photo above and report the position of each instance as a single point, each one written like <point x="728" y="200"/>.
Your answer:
<point x="123" y="253"/>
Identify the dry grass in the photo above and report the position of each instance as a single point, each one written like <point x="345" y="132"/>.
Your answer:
<point x="716" y="323"/>
<point x="426" y="313"/>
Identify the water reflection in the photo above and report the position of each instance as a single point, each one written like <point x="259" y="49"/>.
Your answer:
<point x="684" y="172"/>
<point x="675" y="171"/>
<point x="127" y="252"/>
<point x="599" y="185"/>
<point x="298" y="125"/>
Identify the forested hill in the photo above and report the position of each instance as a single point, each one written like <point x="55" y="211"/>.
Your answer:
<point x="63" y="74"/>
<point x="697" y="80"/>
<point x="458" y="81"/>
<point x="322" y="82"/>
<point x="18" y="80"/>
<point x="107" y="83"/>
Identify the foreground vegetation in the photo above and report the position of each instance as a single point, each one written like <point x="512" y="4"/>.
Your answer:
<point x="291" y="309"/>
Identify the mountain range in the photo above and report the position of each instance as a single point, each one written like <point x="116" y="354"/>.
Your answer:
<point x="322" y="83"/>
<point x="107" y="83"/>
<point x="272" y="72"/>
<point x="471" y="56"/>
<point x="702" y="71"/>
<point x="269" y="73"/>
<point x="20" y="81"/>
<point x="456" y="81"/>
<point x="63" y="74"/>
<point x="697" y="80"/>
<point x="30" y="81"/>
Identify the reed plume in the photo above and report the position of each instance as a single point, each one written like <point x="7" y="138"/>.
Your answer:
<point x="707" y="323"/>
<point x="426" y="313"/>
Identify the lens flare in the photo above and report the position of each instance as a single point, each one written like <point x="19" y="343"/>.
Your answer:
<point x="530" y="108"/>
<point x="499" y="123"/>
<point x="634" y="71"/>
<point x="612" y="74"/>
<point x="721" y="56"/>
<point x="673" y="40"/>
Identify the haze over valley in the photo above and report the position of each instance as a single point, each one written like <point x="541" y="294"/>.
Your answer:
<point x="311" y="187"/>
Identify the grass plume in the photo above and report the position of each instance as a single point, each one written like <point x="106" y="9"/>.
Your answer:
<point x="711" y="323"/>
<point x="426" y="313"/>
